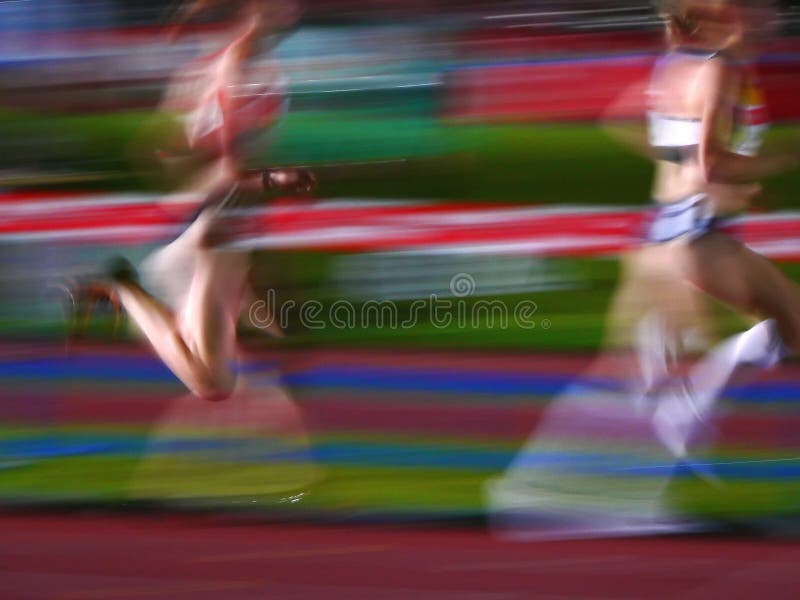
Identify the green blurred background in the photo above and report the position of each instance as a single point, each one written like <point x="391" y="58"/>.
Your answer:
<point x="386" y="143"/>
<point x="360" y="155"/>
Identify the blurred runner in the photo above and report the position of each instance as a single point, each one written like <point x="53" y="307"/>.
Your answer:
<point x="254" y="445"/>
<point x="706" y="121"/>
<point x="708" y="118"/>
<point x="192" y="327"/>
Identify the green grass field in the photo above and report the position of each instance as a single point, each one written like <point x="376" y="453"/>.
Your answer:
<point x="412" y="157"/>
<point x="361" y="154"/>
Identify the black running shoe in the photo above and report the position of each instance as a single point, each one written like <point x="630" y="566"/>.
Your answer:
<point x="120" y="270"/>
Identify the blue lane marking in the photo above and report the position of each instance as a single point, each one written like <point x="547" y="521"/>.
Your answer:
<point x="134" y="368"/>
<point x="723" y="470"/>
<point x="625" y="465"/>
<point x="612" y="465"/>
<point x="379" y="455"/>
<point x="56" y="446"/>
<point x="412" y="380"/>
<point x="397" y="456"/>
<point x="765" y="391"/>
<point x="439" y="381"/>
<point x="52" y="448"/>
<point x="151" y="370"/>
<point x="97" y="368"/>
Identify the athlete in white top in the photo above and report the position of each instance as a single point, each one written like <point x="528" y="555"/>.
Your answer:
<point x="706" y="122"/>
<point x="705" y="119"/>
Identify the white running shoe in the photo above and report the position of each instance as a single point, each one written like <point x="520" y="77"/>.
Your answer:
<point x="676" y="420"/>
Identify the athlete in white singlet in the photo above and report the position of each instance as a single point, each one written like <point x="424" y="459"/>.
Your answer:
<point x="706" y="119"/>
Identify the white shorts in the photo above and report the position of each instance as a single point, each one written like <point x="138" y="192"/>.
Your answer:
<point x="691" y="218"/>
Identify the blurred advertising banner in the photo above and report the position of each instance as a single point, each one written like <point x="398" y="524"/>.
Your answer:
<point x="359" y="225"/>
<point x="116" y="69"/>
<point x="583" y="89"/>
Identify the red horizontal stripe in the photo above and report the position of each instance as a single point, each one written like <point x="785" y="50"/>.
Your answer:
<point x="365" y="227"/>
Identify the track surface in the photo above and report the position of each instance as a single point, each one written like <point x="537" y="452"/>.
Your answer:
<point x="117" y="556"/>
<point x="112" y="555"/>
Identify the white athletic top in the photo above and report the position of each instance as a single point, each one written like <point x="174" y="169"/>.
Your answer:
<point x="678" y="137"/>
<point x="672" y="132"/>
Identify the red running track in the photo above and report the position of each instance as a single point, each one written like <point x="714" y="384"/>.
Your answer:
<point x="84" y="557"/>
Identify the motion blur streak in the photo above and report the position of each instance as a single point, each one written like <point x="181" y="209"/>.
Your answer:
<point x="441" y="204"/>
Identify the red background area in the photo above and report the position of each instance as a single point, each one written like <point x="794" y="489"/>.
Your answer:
<point x="578" y="89"/>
